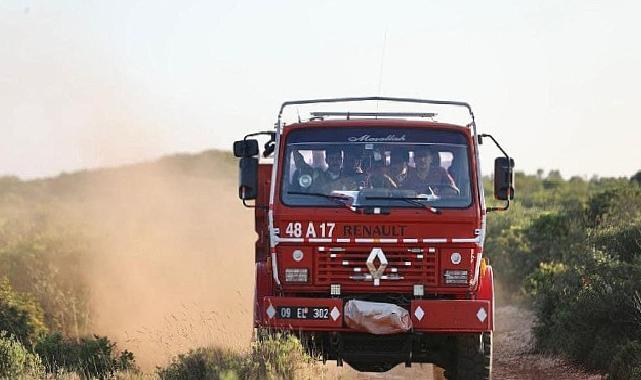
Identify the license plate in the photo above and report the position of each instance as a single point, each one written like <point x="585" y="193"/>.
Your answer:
<point x="302" y="312"/>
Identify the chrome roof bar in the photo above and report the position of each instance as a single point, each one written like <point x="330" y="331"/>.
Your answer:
<point x="374" y="114"/>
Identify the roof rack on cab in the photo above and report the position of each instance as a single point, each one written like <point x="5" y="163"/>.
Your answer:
<point x="348" y="115"/>
<point x="465" y="105"/>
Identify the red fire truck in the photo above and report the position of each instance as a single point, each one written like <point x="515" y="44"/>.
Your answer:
<point x="370" y="235"/>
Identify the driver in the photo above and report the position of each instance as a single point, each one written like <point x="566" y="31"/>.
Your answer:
<point x="428" y="175"/>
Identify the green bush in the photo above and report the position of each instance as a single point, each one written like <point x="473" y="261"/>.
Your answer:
<point x="20" y="315"/>
<point x="205" y="363"/>
<point x="626" y="365"/>
<point x="16" y="361"/>
<point x="92" y="357"/>
<point x="276" y="357"/>
<point x="622" y="241"/>
<point x="586" y="286"/>
<point x="45" y="259"/>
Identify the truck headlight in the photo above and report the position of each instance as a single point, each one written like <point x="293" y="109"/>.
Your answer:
<point x="455" y="277"/>
<point x="296" y="274"/>
<point x="297" y="255"/>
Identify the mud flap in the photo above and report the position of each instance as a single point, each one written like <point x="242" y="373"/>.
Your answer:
<point x="376" y="318"/>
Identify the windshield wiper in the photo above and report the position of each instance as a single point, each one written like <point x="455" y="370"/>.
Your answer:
<point x="342" y="200"/>
<point x="411" y="200"/>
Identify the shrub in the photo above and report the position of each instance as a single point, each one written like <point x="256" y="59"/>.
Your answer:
<point x="92" y="357"/>
<point x="279" y="356"/>
<point x="20" y="315"/>
<point x="205" y="363"/>
<point x="626" y="365"/>
<point x="45" y="259"/>
<point x="16" y="361"/>
<point x="585" y="313"/>
<point x="586" y="287"/>
<point x="275" y="357"/>
<point x="622" y="242"/>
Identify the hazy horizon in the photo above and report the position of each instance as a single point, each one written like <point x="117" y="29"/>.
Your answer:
<point x="152" y="160"/>
<point x="91" y="84"/>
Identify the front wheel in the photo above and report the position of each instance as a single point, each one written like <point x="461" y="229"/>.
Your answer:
<point x="472" y="358"/>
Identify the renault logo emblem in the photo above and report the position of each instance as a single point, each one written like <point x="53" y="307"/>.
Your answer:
<point x="377" y="273"/>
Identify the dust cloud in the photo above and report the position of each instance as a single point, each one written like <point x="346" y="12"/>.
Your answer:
<point x="172" y="258"/>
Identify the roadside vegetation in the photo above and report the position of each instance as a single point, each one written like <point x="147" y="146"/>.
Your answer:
<point x="571" y="249"/>
<point x="47" y="244"/>
<point x="275" y="357"/>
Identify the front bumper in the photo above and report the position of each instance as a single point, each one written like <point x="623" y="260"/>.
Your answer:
<point x="441" y="316"/>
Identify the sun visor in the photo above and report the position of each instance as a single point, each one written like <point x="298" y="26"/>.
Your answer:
<point x="376" y="318"/>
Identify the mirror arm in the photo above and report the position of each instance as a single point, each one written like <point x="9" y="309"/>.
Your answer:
<point x="269" y="145"/>
<point x="248" y="205"/>
<point x="258" y="134"/>
<point x="504" y="208"/>
<point x="507" y="202"/>
<point x="497" y="145"/>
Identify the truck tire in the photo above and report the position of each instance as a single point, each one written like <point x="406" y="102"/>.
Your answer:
<point x="472" y="359"/>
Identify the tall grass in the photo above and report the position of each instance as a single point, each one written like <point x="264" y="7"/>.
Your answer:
<point x="278" y="356"/>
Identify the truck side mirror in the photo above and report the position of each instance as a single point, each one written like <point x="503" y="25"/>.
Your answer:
<point x="248" y="178"/>
<point x="245" y="148"/>
<point x="503" y="178"/>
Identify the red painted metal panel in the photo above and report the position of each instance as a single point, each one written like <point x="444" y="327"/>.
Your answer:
<point x="452" y="315"/>
<point x="260" y="212"/>
<point x="486" y="289"/>
<point x="263" y="288"/>
<point x="438" y="316"/>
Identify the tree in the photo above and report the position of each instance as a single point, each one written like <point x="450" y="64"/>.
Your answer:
<point x="20" y="315"/>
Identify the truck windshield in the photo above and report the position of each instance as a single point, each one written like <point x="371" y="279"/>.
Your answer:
<point x="378" y="167"/>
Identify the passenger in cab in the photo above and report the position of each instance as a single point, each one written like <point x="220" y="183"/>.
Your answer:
<point x="335" y="177"/>
<point x="398" y="166"/>
<point x="353" y="164"/>
<point x="378" y="176"/>
<point x="429" y="176"/>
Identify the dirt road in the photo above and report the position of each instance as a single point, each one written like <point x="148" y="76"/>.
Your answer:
<point x="513" y="357"/>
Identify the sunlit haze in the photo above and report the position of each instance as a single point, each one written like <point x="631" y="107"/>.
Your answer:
<point x="100" y="83"/>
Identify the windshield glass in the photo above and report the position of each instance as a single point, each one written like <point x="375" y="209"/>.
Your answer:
<point x="390" y="167"/>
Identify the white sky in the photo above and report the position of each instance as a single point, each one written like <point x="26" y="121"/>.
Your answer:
<point x="92" y="83"/>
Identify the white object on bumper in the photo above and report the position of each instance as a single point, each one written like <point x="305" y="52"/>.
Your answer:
<point x="376" y="317"/>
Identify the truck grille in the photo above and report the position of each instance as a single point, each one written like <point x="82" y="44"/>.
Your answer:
<point x="348" y="266"/>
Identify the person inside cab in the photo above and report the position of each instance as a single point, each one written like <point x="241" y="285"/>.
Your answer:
<point x="428" y="176"/>
<point x="398" y="166"/>
<point x="353" y="164"/>
<point x="318" y="180"/>
<point x="378" y="176"/>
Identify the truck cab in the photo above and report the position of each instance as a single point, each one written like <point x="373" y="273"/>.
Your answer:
<point x="370" y="237"/>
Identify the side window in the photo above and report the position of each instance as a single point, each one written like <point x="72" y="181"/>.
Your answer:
<point x="458" y="169"/>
